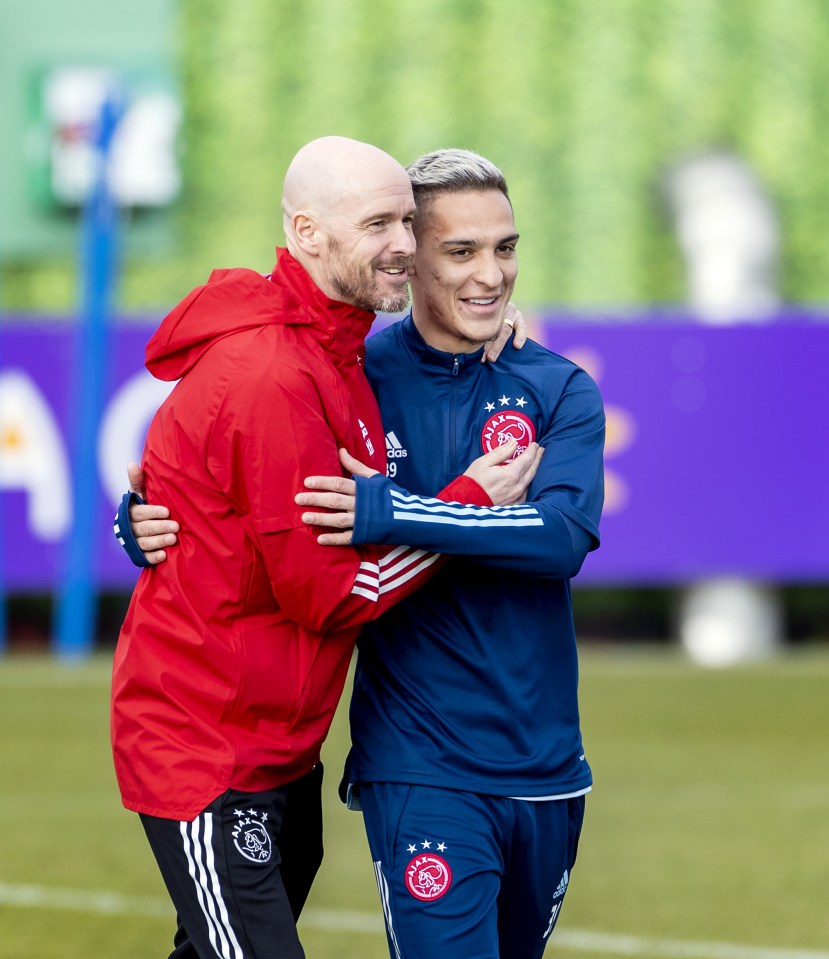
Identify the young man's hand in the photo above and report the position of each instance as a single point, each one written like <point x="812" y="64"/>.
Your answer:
<point x="513" y="326"/>
<point x="506" y="480"/>
<point x="337" y="494"/>
<point x="151" y="525"/>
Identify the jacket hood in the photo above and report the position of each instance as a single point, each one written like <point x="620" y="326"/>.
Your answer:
<point x="240" y="299"/>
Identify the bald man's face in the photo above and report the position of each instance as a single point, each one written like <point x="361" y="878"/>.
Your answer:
<point x="370" y="246"/>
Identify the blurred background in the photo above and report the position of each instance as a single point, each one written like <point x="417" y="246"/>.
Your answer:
<point x="667" y="161"/>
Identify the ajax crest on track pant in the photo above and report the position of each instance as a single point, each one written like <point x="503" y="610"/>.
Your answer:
<point x="239" y="873"/>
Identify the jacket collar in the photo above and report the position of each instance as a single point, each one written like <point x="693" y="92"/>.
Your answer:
<point x="339" y="327"/>
<point x="457" y="363"/>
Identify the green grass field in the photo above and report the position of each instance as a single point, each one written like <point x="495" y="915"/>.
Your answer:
<point x="707" y="834"/>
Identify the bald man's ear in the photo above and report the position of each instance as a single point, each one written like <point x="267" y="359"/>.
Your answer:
<point x="307" y="233"/>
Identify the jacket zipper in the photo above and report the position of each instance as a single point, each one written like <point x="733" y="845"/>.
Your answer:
<point x="453" y="419"/>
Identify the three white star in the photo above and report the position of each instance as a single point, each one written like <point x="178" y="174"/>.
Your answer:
<point x="426" y="844"/>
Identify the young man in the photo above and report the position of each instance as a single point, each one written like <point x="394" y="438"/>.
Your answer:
<point x="467" y="754"/>
<point x="234" y="653"/>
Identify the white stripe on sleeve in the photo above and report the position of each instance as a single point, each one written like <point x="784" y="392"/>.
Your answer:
<point x="416" y="509"/>
<point x="391" y="571"/>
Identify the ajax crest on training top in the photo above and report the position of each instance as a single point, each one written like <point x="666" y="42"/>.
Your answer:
<point x="507" y="425"/>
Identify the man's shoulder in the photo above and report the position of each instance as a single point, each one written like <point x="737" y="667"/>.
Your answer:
<point x="551" y="374"/>
<point x="534" y="356"/>
<point x="262" y="345"/>
<point x="384" y="339"/>
<point x="263" y="361"/>
<point x="387" y="357"/>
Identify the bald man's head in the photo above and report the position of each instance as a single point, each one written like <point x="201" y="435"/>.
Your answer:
<point x="347" y="211"/>
<point x="327" y="171"/>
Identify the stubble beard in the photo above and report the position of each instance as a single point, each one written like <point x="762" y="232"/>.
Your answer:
<point x="359" y="287"/>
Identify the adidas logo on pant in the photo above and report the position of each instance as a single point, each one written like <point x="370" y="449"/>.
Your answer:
<point x="560" y="890"/>
<point x="562" y="886"/>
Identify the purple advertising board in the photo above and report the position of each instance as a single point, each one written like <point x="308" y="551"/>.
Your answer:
<point x="716" y="458"/>
<point x="716" y="461"/>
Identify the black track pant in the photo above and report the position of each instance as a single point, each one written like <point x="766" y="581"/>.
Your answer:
<point x="241" y="871"/>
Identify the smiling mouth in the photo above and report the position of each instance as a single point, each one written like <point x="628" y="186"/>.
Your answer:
<point x="396" y="272"/>
<point x="482" y="303"/>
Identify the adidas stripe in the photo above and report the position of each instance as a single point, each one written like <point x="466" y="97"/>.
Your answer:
<point x="391" y="571"/>
<point x="383" y="889"/>
<point x="417" y="509"/>
<point x="202" y="868"/>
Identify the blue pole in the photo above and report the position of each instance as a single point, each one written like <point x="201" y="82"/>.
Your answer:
<point x="77" y="603"/>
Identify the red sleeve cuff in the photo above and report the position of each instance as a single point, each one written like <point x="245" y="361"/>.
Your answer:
<point x="464" y="489"/>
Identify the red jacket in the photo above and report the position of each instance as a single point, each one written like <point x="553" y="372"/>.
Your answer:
<point x="234" y="651"/>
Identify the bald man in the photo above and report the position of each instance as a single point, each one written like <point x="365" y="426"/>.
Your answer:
<point x="234" y="652"/>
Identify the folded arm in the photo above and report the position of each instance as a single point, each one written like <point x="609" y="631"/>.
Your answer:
<point x="549" y="535"/>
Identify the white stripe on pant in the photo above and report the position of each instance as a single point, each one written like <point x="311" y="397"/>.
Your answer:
<point x="383" y="889"/>
<point x="208" y="887"/>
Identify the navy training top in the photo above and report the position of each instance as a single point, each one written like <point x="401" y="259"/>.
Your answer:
<point x="471" y="683"/>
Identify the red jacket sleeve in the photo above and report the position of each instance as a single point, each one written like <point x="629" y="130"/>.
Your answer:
<point x="464" y="489"/>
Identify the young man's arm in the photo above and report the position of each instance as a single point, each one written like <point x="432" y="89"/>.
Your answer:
<point x="548" y="536"/>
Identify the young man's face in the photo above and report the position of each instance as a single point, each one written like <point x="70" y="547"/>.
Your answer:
<point x="370" y="245"/>
<point x="465" y="269"/>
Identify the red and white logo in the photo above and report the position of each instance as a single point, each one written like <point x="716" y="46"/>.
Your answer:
<point x="366" y="437"/>
<point x="428" y="877"/>
<point x="509" y="425"/>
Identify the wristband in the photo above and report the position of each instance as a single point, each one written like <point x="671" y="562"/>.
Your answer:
<point x="123" y="531"/>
